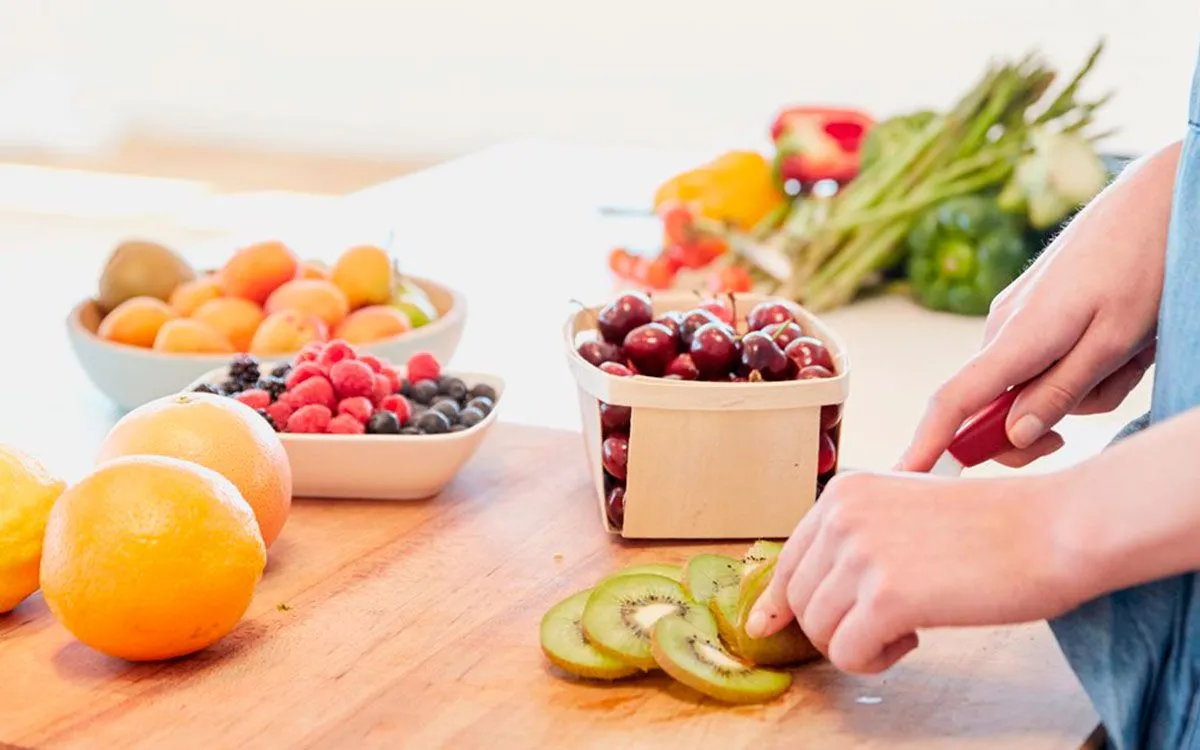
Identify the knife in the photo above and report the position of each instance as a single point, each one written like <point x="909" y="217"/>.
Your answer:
<point x="982" y="438"/>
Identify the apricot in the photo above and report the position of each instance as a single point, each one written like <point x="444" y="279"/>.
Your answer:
<point x="373" y="323"/>
<point x="287" y="331"/>
<point x="233" y="317"/>
<point x="365" y="273"/>
<point x="311" y="297"/>
<point x="136" y="321"/>
<point x="314" y="269"/>
<point x="190" y="336"/>
<point x="191" y="294"/>
<point x="255" y="271"/>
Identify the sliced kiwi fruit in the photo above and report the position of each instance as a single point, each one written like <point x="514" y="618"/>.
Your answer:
<point x="761" y="551"/>
<point x="697" y="659"/>
<point x="568" y="648"/>
<point x="705" y="574"/>
<point x="674" y="572"/>
<point x="621" y="612"/>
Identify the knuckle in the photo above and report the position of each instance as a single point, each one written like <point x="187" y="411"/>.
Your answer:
<point x="1058" y="397"/>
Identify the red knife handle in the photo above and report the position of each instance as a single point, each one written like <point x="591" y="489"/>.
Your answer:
<point x="985" y="435"/>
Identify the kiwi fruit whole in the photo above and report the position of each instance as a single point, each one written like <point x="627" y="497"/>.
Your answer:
<point x="138" y="268"/>
<point x="620" y="614"/>
<point x="698" y="660"/>
<point x="704" y="575"/>
<point x="566" y="646"/>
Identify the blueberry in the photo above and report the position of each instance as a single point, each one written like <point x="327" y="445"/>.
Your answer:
<point x="424" y="391"/>
<point x="457" y="427"/>
<point x="433" y="422"/>
<point x="410" y="431"/>
<point x="470" y="416"/>
<point x="383" y="422"/>
<point x="482" y="403"/>
<point x="405" y="388"/>
<point x="454" y="387"/>
<point x="484" y="390"/>
<point x="448" y="407"/>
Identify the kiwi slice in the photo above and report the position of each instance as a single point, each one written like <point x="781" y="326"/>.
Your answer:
<point x="787" y="647"/>
<point x="568" y="648"/>
<point x="753" y="584"/>
<point x="698" y="660"/>
<point x="704" y="575"/>
<point x="621" y="612"/>
<point x="761" y="551"/>
<point x="674" y="572"/>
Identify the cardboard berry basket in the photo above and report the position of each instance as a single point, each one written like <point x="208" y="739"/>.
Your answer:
<point x="710" y="460"/>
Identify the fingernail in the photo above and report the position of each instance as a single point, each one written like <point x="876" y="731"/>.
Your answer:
<point x="1027" y="429"/>
<point x="756" y="624"/>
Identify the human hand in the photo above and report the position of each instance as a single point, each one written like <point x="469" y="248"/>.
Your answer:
<point x="1078" y="325"/>
<point x="883" y="555"/>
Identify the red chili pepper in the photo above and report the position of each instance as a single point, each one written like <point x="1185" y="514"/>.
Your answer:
<point x="818" y="143"/>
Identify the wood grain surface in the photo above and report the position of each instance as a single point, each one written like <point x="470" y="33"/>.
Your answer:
<point x="414" y="625"/>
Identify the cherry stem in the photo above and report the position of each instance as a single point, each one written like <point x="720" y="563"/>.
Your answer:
<point x="778" y="331"/>
<point x="733" y="308"/>
<point x="591" y="313"/>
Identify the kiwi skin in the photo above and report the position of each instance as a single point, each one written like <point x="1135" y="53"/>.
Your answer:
<point x="670" y="627"/>
<point x="586" y="660"/>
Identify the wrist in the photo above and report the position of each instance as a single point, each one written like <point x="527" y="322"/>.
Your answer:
<point x="1082" y="550"/>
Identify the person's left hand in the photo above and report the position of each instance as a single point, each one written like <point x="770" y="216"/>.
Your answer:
<point x="882" y="555"/>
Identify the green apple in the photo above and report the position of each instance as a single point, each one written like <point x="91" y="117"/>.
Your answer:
<point x="414" y="303"/>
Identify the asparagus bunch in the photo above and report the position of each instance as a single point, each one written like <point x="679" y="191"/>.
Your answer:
<point x="835" y="245"/>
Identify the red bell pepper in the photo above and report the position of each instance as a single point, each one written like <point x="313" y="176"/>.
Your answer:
<point x="818" y="143"/>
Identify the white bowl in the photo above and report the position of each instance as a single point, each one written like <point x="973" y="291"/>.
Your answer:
<point x="131" y="375"/>
<point x="379" y="467"/>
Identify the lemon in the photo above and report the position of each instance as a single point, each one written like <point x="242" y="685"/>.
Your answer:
<point x="27" y="492"/>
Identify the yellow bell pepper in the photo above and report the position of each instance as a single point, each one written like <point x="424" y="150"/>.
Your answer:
<point x="737" y="187"/>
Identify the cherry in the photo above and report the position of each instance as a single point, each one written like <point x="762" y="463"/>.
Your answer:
<point x="826" y="454"/>
<point x="767" y="312"/>
<point x="831" y="415"/>
<point x="807" y="350"/>
<point x="671" y="376"/>
<point x="672" y="319"/>
<point x="622" y="315"/>
<point x="760" y="354"/>
<point x="614" y="506"/>
<point x="614" y="453"/>
<point x="614" y="418"/>
<point x="599" y="352"/>
<point x="713" y="349"/>
<point x="784" y="333"/>
<point x="735" y="378"/>
<point x="616" y="368"/>
<point x="692" y="321"/>
<point x="650" y="348"/>
<point x="684" y="367"/>
<point x="720" y="310"/>
<point x="813" y="372"/>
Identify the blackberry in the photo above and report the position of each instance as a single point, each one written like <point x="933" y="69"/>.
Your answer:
<point x="244" y="368"/>
<point x="484" y="390"/>
<point x="232" y="387"/>
<point x="207" y="388"/>
<point x="272" y="385"/>
<point x="264" y="415"/>
<point x="281" y="371"/>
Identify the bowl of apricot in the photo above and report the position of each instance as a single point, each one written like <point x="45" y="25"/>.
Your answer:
<point x="156" y="324"/>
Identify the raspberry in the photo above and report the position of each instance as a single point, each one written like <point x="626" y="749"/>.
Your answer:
<point x="302" y="372"/>
<point x="423" y="366"/>
<point x="372" y="362"/>
<point x="309" y="419"/>
<point x="309" y="353"/>
<point x="381" y="390"/>
<point x="398" y="405"/>
<point x="358" y="407"/>
<point x="345" y="424"/>
<point x="393" y="377"/>
<point x="255" y="398"/>
<point x="279" y="413"/>
<point x="313" y="391"/>
<point x="336" y="351"/>
<point x="351" y="378"/>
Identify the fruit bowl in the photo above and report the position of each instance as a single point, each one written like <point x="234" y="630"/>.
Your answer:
<point x="704" y="459"/>
<point x="378" y="467"/>
<point x="130" y="376"/>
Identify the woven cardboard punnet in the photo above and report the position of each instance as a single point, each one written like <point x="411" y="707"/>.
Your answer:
<point x="710" y="460"/>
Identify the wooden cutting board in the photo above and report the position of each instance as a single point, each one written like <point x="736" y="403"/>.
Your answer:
<point x="415" y="625"/>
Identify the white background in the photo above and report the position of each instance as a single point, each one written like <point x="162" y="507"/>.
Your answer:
<point x="437" y="77"/>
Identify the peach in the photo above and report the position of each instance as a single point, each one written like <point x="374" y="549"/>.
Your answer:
<point x="311" y="297"/>
<point x="314" y="269"/>
<point x="365" y="273"/>
<point x="286" y="332"/>
<point x="190" y="336"/>
<point x="136" y="321"/>
<point x="233" y="317"/>
<point x="191" y="294"/>
<point x="257" y="270"/>
<point x="373" y="323"/>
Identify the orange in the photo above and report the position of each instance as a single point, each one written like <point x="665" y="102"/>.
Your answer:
<point x="255" y="271"/>
<point x="287" y="331"/>
<point x="187" y="336"/>
<point x="373" y="323"/>
<point x="136" y="321"/>
<point x="191" y="294"/>
<point x="322" y="299"/>
<point x="233" y="317"/>
<point x="366" y="274"/>
<point x="221" y="434"/>
<point x="27" y="493"/>
<point x="151" y="558"/>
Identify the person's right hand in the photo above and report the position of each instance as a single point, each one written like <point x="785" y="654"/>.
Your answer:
<point x="1079" y="324"/>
